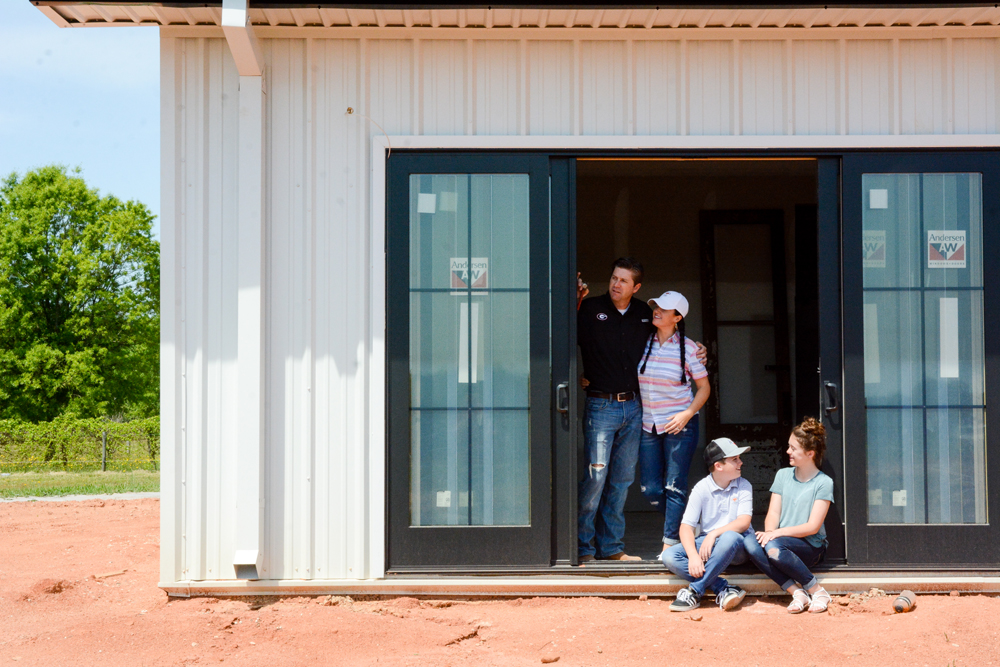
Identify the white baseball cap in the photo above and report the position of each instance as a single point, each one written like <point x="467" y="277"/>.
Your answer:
<point x="670" y="301"/>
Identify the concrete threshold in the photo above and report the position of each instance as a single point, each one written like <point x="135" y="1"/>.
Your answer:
<point x="838" y="583"/>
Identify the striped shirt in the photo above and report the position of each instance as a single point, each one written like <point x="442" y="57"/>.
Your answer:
<point x="663" y="395"/>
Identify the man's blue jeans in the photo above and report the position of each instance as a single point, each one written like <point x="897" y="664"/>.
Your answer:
<point x="664" y="461"/>
<point x="787" y="560"/>
<point x="728" y="550"/>
<point x="611" y="431"/>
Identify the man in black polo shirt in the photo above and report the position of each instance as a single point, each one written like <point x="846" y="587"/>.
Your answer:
<point x="612" y="331"/>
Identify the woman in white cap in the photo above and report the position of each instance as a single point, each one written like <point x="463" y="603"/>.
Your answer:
<point x="669" y="411"/>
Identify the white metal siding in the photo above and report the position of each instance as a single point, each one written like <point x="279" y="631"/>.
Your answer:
<point x="323" y="497"/>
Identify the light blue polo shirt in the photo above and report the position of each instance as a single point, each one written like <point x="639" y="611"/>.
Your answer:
<point x="711" y="506"/>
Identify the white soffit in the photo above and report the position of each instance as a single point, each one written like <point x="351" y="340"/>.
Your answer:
<point x="83" y="15"/>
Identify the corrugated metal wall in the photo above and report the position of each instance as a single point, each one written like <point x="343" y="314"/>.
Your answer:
<point x="318" y="339"/>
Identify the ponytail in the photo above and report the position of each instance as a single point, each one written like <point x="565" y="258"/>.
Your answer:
<point x="680" y="330"/>
<point x="645" y="357"/>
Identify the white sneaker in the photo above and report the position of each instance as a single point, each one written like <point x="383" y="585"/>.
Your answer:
<point x="729" y="598"/>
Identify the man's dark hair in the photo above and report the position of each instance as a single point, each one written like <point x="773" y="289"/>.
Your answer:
<point x="630" y="263"/>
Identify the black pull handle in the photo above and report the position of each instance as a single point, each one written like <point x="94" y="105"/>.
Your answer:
<point x="562" y="397"/>
<point x="832" y="397"/>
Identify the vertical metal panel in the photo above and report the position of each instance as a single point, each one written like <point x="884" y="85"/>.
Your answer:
<point x="923" y="93"/>
<point x="710" y="80"/>
<point x="603" y="87"/>
<point x="171" y="354"/>
<point x="975" y="71"/>
<point x="338" y="332"/>
<point x="289" y="442"/>
<point x="322" y="493"/>
<point x="816" y="102"/>
<point x="762" y="86"/>
<point x="497" y="82"/>
<point x="550" y="87"/>
<point x="869" y="86"/>
<point x="392" y="81"/>
<point x="443" y="77"/>
<point x="657" y="87"/>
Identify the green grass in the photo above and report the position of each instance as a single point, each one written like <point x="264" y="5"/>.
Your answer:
<point x="21" y="484"/>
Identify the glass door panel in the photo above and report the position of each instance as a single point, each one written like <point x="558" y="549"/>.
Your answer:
<point x="469" y="357"/>
<point x="923" y="351"/>
<point x="918" y="371"/>
<point x="467" y="332"/>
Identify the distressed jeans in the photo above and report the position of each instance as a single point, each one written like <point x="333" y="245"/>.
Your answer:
<point x="611" y="432"/>
<point x="728" y="550"/>
<point x="664" y="461"/>
<point x="787" y="560"/>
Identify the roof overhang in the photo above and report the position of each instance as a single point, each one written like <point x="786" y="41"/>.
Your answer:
<point x="753" y="15"/>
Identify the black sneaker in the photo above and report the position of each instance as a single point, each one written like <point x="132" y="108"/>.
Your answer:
<point x="730" y="597"/>
<point x="686" y="600"/>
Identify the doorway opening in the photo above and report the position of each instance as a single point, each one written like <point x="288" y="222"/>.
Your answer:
<point x="737" y="237"/>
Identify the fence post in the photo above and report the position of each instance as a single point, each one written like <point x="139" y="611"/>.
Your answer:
<point x="104" y="451"/>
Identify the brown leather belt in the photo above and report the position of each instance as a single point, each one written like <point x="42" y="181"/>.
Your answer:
<point x="620" y="397"/>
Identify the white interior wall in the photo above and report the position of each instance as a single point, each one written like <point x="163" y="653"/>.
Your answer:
<point x="323" y="478"/>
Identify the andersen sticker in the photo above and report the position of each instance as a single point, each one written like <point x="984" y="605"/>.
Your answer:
<point x="874" y="248"/>
<point x="464" y="276"/>
<point x="946" y="249"/>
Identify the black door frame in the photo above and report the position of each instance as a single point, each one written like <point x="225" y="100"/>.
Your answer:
<point x="465" y="548"/>
<point x="841" y="355"/>
<point x="916" y="545"/>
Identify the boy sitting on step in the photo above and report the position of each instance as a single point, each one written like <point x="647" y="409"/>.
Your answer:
<point x="722" y="505"/>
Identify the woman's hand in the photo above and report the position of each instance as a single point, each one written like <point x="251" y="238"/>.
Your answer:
<point x="678" y="421"/>
<point x="584" y="382"/>
<point x="765" y="536"/>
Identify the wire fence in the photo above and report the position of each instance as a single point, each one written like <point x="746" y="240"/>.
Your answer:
<point x="67" y="444"/>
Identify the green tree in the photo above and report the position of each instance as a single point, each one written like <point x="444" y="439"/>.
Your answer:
<point x="79" y="301"/>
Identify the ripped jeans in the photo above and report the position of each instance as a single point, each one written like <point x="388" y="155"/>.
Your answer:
<point x="611" y="431"/>
<point x="786" y="560"/>
<point x="664" y="462"/>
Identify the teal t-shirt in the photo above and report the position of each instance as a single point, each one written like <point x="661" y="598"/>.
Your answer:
<point x="797" y="499"/>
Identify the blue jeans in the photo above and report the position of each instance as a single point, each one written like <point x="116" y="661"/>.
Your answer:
<point x="664" y="461"/>
<point x="611" y="431"/>
<point x="728" y="550"/>
<point x="787" y="560"/>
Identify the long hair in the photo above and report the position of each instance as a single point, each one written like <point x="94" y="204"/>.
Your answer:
<point x="649" y="348"/>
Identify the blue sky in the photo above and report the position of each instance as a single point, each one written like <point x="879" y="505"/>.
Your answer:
<point x="86" y="97"/>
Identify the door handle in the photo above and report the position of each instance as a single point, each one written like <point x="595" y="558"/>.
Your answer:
<point x="562" y="397"/>
<point x="832" y="397"/>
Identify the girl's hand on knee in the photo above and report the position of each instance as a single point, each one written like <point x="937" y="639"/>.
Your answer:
<point x="765" y="536"/>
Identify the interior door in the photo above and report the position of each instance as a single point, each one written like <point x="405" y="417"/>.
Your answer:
<point x="468" y="350"/>
<point x="744" y="295"/>
<point x="920" y="362"/>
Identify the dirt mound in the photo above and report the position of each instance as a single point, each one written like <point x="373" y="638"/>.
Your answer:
<point x="46" y="587"/>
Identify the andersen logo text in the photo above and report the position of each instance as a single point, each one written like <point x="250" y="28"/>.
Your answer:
<point x="946" y="249"/>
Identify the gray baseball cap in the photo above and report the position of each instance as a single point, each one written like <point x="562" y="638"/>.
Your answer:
<point x="721" y="448"/>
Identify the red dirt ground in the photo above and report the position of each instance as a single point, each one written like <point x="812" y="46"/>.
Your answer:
<point x="65" y="601"/>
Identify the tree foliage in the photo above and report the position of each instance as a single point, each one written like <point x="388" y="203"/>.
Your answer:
<point x="79" y="301"/>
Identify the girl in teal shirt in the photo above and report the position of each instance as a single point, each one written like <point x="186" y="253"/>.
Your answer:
<point x="794" y="539"/>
